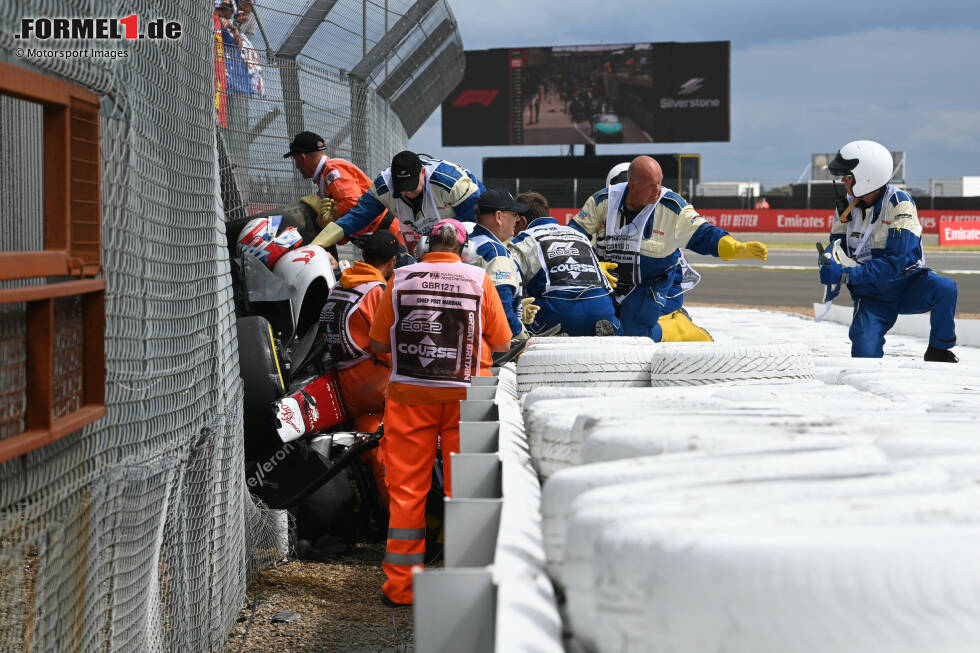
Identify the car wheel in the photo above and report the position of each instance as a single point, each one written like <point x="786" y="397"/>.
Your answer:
<point x="264" y="383"/>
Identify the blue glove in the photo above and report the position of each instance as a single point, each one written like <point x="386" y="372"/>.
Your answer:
<point x="830" y="293"/>
<point x="830" y="273"/>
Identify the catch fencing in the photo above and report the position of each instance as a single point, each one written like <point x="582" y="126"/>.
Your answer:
<point x="136" y="532"/>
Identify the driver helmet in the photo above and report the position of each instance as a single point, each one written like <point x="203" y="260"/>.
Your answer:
<point x="261" y="238"/>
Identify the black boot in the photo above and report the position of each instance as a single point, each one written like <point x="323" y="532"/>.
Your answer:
<point x="934" y="355"/>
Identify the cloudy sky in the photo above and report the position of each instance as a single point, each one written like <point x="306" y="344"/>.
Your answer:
<point x="806" y="77"/>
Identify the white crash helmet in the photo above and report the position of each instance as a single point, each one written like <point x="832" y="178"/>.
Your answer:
<point x="261" y="238"/>
<point x="618" y="174"/>
<point x="869" y="162"/>
<point x="310" y="276"/>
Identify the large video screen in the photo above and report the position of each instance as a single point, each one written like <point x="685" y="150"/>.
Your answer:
<point x="592" y="94"/>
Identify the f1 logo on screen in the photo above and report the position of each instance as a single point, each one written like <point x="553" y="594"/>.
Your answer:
<point x="484" y="97"/>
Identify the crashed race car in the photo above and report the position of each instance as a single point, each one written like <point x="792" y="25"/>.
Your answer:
<point x="307" y="217"/>
<point x="300" y="452"/>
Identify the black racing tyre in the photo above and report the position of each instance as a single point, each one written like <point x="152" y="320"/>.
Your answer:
<point x="264" y="382"/>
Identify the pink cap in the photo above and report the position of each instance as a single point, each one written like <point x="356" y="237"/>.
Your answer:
<point x="456" y="224"/>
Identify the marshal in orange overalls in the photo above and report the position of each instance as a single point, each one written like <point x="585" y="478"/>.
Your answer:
<point x="346" y="320"/>
<point x="439" y="340"/>
<point x="345" y="183"/>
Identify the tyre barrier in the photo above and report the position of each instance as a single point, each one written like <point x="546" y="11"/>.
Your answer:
<point x="587" y="342"/>
<point x="657" y="497"/>
<point x="558" y="429"/>
<point x="809" y="576"/>
<point x="617" y="440"/>
<point x="601" y="510"/>
<point x="613" y="366"/>
<point x="564" y="487"/>
<point x="698" y="363"/>
<point x="950" y="459"/>
<point x="949" y="390"/>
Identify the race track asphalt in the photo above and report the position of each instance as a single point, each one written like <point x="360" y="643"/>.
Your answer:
<point x="793" y="288"/>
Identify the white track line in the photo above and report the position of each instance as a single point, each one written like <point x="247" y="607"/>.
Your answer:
<point x="801" y="267"/>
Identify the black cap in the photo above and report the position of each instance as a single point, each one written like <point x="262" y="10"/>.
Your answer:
<point x="380" y="246"/>
<point x="500" y="199"/>
<point x="305" y="142"/>
<point x="405" y="169"/>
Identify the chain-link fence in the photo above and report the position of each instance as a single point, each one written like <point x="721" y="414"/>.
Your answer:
<point x="136" y="533"/>
<point x="363" y="75"/>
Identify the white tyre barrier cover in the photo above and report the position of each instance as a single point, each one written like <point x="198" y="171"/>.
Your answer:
<point x="548" y="425"/>
<point x="618" y="440"/>
<point x="697" y="363"/>
<point x="610" y="439"/>
<point x="935" y="389"/>
<point x="602" y="509"/>
<point x="562" y="488"/>
<point x="547" y="393"/>
<point x="964" y="467"/>
<point x="555" y="427"/>
<point x="640" y="396"/>
<point x="868" y="577"/>
<point x="557" y="440"/>
<point x="963" y="439"/>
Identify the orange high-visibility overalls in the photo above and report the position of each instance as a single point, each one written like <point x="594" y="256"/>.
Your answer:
<point x="345" y="183"/>
<point x="441" y="316"/>
<point x="346" y="320"/>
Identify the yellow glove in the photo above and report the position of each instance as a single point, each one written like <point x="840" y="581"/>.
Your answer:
<point x="330" y="235"/>
<point x="313" y="201"/>
<point x="610" y="277"/>
<point x="324" y="207"/>
<point x="528" y="310"/>
<point x="729" y="248"/>
<point x="328" y="206"/>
